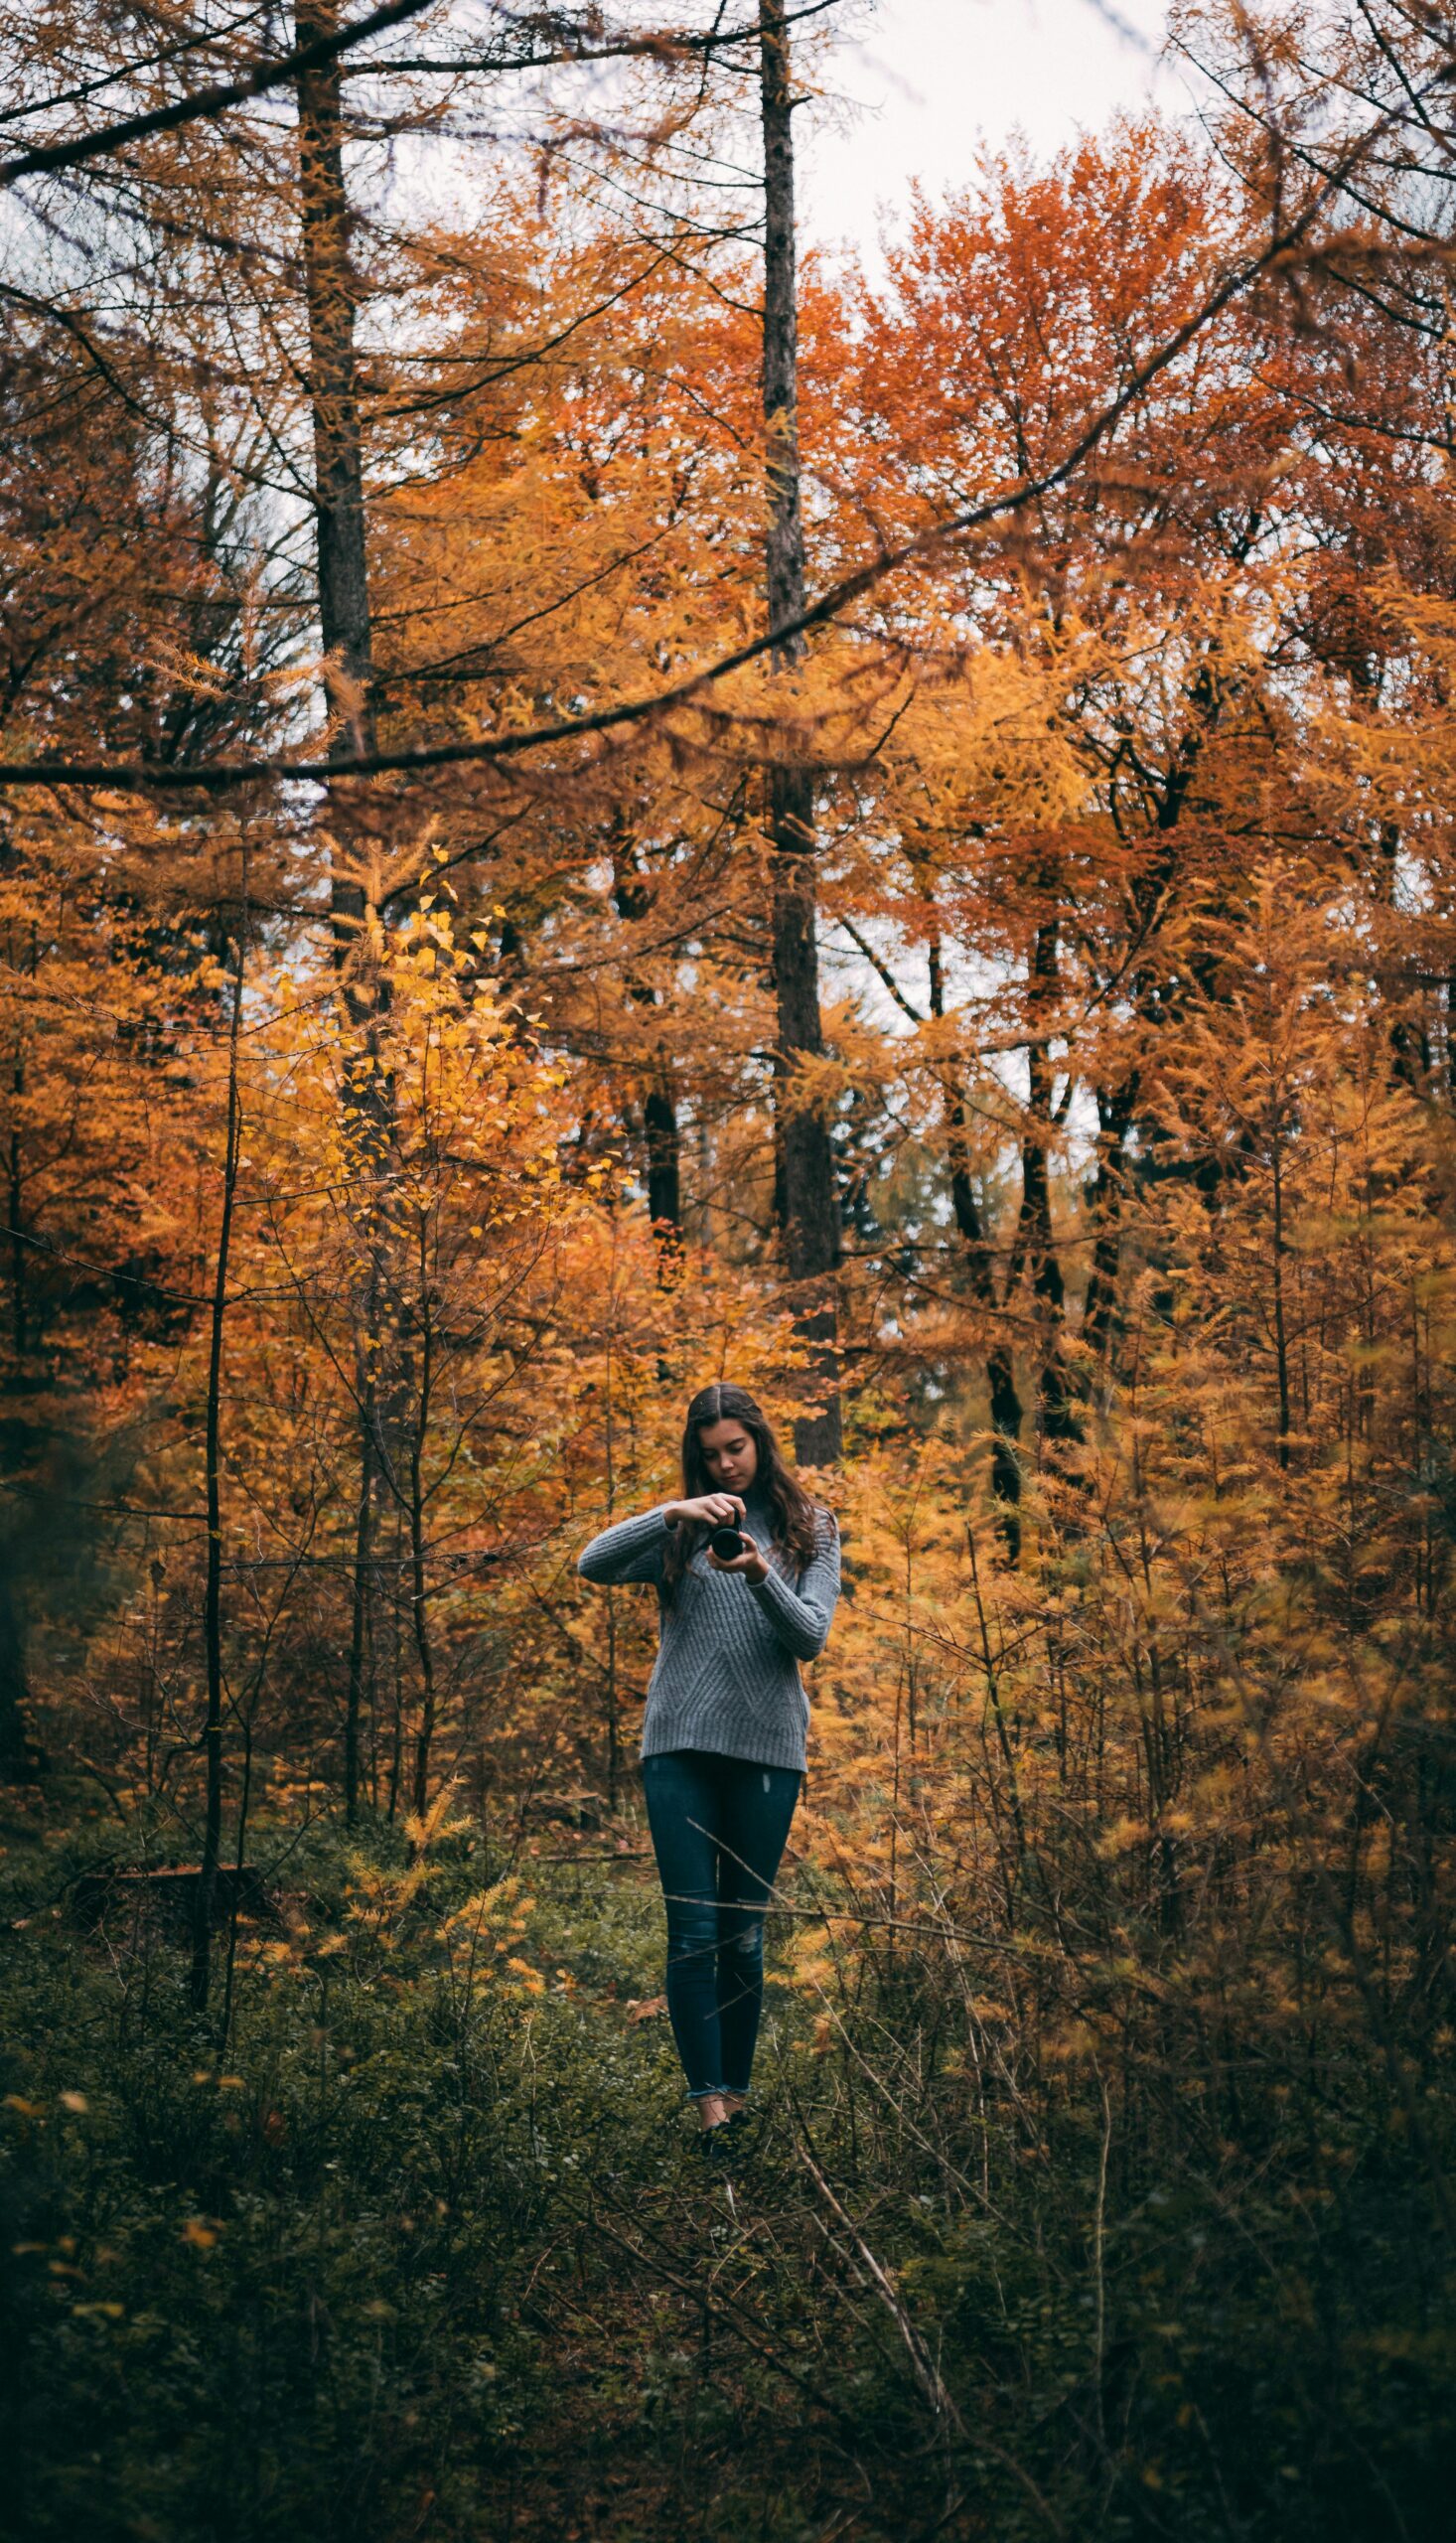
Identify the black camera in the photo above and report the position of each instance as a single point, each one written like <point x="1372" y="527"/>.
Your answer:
<point x="728" y="1541"/>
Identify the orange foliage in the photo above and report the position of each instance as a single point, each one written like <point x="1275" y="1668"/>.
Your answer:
<point x="1136" y="895"/>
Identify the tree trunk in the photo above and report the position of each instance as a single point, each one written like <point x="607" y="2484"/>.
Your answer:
<point x="809" y="1219"/>
<point x="1004" y="1402"/>
<point x="359" y="1634"/>
<point x="1055" y="1389"/>
<point x="17" y="1761"/>
<point x="15" y="1198"/>
<point x="665" y="1168"/>
<point x="332" y="294"/>
<point x="419" y="1581"/>
<point x="661" y="1137"/>
<point x="213" y="1594"/>
<point x="1105" y="1201"/>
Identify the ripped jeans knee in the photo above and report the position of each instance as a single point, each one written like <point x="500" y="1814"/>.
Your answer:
<point x="747" y="1945"/>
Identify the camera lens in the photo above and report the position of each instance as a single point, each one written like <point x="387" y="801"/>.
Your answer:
<point x="727" y="1541"/>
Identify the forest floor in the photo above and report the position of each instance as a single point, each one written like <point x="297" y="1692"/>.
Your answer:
<point x="431" y="2249"/>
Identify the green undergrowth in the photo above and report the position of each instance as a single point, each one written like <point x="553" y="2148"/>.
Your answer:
<point x="429" y="2250"/>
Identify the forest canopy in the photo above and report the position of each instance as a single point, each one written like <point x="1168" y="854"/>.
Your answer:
<point x="593" y="799"/>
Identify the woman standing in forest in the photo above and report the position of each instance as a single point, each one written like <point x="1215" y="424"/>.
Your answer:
<point x="723" y="1736"/>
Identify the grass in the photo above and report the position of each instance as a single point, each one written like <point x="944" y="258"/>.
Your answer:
<point x="431" y="2251"/>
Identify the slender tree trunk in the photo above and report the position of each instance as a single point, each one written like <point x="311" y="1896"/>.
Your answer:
<point x="359" y="1634"/>
<point x="235" y="1904"/>
<point x="332" y="294"/>
<point x="706" y="1221"/>
<point x="419" y="1582"/>
<point x="1410" y="1048"/>
<point x="611" y="1704"/>
<point x="1106" y="1202"/>
<point x="660" y="1135"/>
<point x="1058" y="1410"/>
<point x="808" y="1218"/>
<point x="419" y="1605"/>
<point x="1281" y="1338"/>
<point x="396" y="1737"/>
<point x="213" y="1594"/>
<point x="1005" y="1403"/>
<point x="15" y="1748"/>
<point x="665" y="1168"/>
<point x="15" y="1202"/>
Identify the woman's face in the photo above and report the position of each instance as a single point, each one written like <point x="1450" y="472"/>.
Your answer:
<point x="729" y="1454"/>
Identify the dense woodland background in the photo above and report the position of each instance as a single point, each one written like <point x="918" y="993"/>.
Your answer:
<point x="1005" y="1021"/>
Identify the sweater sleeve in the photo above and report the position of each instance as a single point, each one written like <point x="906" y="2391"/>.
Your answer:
<point x="801" y="1617"/>
<point x="629" y="1551"/>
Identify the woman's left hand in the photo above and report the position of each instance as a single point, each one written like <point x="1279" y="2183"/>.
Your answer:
<point x="750" y="1563"/>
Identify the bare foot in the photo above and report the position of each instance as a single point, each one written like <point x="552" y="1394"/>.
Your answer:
<point x="712" y="2110"/>
<point x="733" y="2103"/>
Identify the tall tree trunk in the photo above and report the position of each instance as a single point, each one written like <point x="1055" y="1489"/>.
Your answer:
<point x="332" y="294"/>
<point x="213" y="1595"/>
<point x="1281" y="1327"/>
<point x="418" y="1572"/>
<point x="1004" y="1402"/>
<point x="1055" y="1389"/>
<point x="15" y="1221"/>
<point x="664" y="1171"/>
<point x="1105" y="1198"/>
<point x="660" y="1135"/>
<point x="364" y="1530"/>
<point x="809" y="1219"/>
<point x="16" y="1755"/>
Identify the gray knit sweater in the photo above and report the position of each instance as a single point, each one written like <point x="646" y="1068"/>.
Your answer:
<point x="726" y="1676"/>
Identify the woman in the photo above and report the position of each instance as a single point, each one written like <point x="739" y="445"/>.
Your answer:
<point x="723" y="1738"/>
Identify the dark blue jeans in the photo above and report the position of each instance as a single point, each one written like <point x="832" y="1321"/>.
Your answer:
<point x="719" y="1826"/>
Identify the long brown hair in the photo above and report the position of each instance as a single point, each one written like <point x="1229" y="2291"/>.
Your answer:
<point x="794" y="1517"/>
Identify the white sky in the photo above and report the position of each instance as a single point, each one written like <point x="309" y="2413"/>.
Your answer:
<point x="934" y="78"/>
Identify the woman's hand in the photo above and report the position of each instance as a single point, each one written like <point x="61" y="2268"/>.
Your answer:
<point x="750" y="1563"/>
<point x="714" y="1509"/>
<point x="721" y="1510"/>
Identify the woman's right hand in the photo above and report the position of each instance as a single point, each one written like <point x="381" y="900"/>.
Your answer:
<point x="714" y="1509"/>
